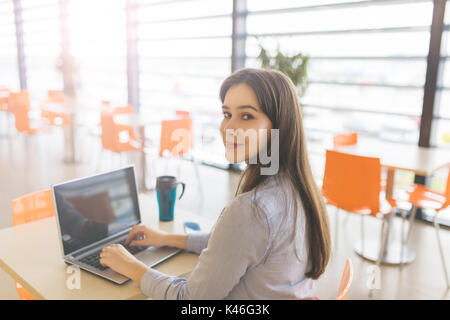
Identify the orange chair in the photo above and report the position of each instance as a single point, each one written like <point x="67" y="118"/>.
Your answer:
<point x="345" y="139"/>
<point x="57" y="119"/>
<point x="176" y="137"/>
<point x="352" y="183"/>
<point x="56" y="96"/>
<point x="177" y="140"/>
<point x="124" y="138"/>
<point x="115" y="137"/>
<point x="346" y="280"/>
<point x="19" y="104"/>
<point x="28" y="208"/>
<point x="422" y="197"/>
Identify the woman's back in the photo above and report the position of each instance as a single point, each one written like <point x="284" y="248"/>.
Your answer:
<point x="280" y="271"/>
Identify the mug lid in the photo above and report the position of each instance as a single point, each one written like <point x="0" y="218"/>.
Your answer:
<point x="166" y="182"/>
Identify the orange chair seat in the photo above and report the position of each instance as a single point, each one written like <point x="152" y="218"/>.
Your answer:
<point x="56" y="118"/>
<point x="385" y="208"/>
<point x="425" y="198"/>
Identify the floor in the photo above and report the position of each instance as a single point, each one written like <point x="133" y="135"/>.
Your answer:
<point x="29" y="164"/>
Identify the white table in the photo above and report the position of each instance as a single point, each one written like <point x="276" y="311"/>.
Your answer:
<point x="395" y="156"/>
<point x="30" y="254"/>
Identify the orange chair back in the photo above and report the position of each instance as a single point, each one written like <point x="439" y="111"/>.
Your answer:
<point x="19" y="104"/>
<point x="352" y="182"/>
<point x="56" y="96"/>
<point x="113" y="133"/>
<point x="345" y="139"/>
<point x="107" y="125"/>
<point x="346" y="280"/>
<point x="32" y="207"/>
<point x="28" y="208"/>
<point x="176" y="136"/>
<point x="56" y="118"/>
<point x="123" y="110"/>
<point x="19" y="100"/>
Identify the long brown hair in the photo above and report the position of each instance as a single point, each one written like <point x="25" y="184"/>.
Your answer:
<point x="278" y="100"/>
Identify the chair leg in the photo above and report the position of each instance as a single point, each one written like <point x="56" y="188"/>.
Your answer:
<point x="436" y="226"/>
<point x="402" y="239"/>
<point x="383" y="242"/>
<point x="411" y="222"/>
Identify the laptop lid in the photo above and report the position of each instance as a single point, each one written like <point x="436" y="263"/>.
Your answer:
<point x="92" y="209"/>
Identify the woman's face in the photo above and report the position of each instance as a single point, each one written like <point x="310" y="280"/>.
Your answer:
<point x="242" y="122"/>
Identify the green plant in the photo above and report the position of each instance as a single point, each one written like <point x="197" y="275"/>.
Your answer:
<point x="295" y="67"/>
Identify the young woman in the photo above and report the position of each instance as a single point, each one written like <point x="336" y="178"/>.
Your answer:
<point x="272" y="240"/>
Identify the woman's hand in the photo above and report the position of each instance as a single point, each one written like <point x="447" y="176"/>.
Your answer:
<point x="122" y="261"/>
<point x="148" y="237"/>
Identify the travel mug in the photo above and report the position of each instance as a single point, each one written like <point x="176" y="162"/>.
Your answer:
<point x="166" y="194"/>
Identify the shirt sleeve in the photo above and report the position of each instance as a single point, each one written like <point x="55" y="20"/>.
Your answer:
<point x="238" y="241"/>
<point x="196" y="242"/>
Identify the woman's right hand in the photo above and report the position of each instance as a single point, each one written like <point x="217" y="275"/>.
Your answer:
<point x="141" y="235"/>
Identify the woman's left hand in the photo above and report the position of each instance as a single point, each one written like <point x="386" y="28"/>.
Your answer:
<point x="122" y="261"/>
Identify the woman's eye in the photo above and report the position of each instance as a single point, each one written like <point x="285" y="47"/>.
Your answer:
<point x="226" y="115"/>
<point x="247" y="117"/>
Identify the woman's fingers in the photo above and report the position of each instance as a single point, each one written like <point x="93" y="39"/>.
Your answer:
<point x="137" y="243"/>
<point x="133" y="233"/>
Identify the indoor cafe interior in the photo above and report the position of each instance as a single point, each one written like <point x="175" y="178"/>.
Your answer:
<point x="91" y="86"/>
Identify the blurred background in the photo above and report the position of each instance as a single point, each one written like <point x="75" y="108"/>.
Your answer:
<point x="362" y="67"/>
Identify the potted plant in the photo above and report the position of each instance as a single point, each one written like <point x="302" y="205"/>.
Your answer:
<point x="295" y="67"/>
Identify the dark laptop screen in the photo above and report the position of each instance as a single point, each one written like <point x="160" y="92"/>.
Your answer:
<point x="93" y="208"/>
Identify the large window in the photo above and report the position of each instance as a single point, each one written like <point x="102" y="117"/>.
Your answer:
<point x="184" y="55"/>
<point x="42" y="46"/>
<point x="98" y="45"/>
<point x="368" y="62"/>
<point x="9" y="75"/>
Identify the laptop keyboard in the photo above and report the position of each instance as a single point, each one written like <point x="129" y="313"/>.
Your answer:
<point x="94" y="258"/>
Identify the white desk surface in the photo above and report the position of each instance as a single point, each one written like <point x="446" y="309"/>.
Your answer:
<point x="30" y="254"/>
<point x="422" y="161"/>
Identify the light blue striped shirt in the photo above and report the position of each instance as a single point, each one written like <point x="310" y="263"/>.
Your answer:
<point x="249" y="254"/>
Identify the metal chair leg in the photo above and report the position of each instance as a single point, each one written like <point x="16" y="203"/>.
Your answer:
<point x="402" y="239"/>
<point x="383" y="242"/>
<point x="412" y="216"/>
<point x="436" y="226"/>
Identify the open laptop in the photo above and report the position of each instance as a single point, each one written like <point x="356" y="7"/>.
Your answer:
<point x="97" y="211"/>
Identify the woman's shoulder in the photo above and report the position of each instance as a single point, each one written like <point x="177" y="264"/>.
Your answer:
<point x="267" y="201"/>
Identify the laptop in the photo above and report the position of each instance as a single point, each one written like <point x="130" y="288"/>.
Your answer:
<point x="97" y="211"/>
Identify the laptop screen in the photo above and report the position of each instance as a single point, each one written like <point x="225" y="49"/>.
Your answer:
<point x="94" y="208"/>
